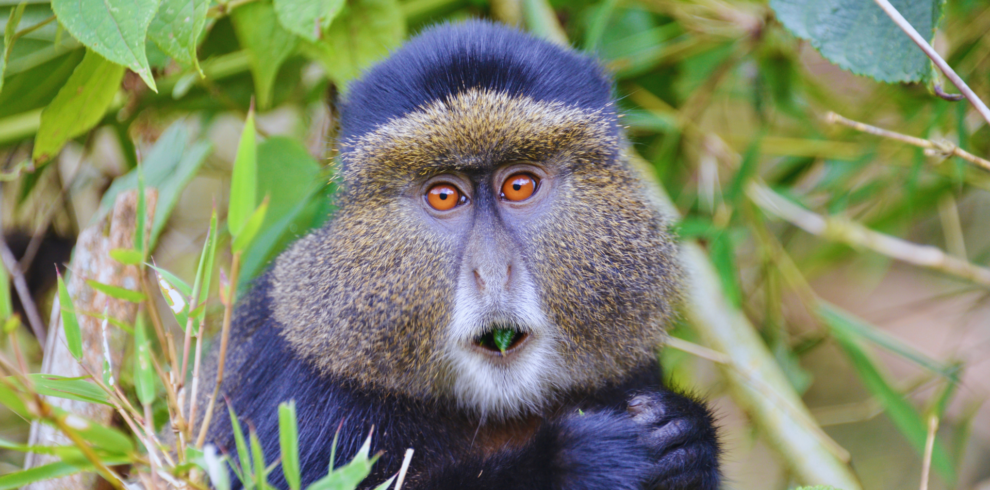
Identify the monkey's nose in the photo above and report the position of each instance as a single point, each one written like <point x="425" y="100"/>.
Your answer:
<point x="482" y="279"/>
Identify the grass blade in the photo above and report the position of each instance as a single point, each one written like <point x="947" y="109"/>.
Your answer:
<point x="288" y="436"/>
<point x="69" y="321"/>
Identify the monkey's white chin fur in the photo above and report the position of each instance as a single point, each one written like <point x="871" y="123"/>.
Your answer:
<point x="521" y="382"/>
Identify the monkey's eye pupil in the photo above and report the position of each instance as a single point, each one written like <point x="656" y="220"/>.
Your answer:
<point x="519" y="187"/>
<point x="443" y="197"/>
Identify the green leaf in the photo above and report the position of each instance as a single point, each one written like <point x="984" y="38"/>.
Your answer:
<point x="362" y="34"/>
<point x="288" y="439"/>
<point x="144" y="376"/>
<point x="6" y="44"/>
<point x="169" y="166"/>
<point x="839" y="319"/>
<point x="106" y="438"/>
<point x="116" y="29"/>
<point x="127" y="256"/>
<point x="723" y="255"/>
<point x="176" y="29"/>
<point x="266" y="41"/>
<point x="386" y="484"/>
<point x="307" y="18"/>
<point x="251" y="228"/>
<point x="70" y="388"/>
<point x="859" y="37"/>
<point x="292" y="179"/>
<point x="244" y="180"/>
<point x="349" y="476"/>
<point x="79" y="105"/>
<point x="503" y="338"/>
<point x="49" y="471"/>
<point x="907" y="419"/>
<point x="117" y="292"/>
<point x="260" y="472"/>
<point x="243" y="456"/>
<point x="750" y="163"/>
<point x="204" y="271"/>
<point x="69" y="321"/>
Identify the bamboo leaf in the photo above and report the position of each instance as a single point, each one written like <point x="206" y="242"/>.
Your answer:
<point x="260" y="472"/>
<point x="243" y="455"/>
<point x="117" y="292"/>
<point x="289" y="443"/>
<point x="70" y="388"/>
<point x="6" y="306"/>
<point x="204" y="271"/>
<point x="250" y="228"/>
<point x="244" y="181"/>
<point x="215" y="468"/>
<point x="127" y="256"/>
<point x="70" y="323"/>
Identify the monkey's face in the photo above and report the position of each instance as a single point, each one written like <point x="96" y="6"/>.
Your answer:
<point x="488" y="249"/>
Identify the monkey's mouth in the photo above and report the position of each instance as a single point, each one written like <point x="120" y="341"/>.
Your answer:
<point x="501" y="339"/>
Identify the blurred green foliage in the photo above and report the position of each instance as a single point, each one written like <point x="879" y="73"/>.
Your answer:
<point x="715" y="95"/>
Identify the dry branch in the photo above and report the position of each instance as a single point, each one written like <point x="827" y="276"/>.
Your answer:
<point x="91" y="260"/>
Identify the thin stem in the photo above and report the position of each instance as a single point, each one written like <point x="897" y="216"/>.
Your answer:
<point x="857" y="235"/>
<point x="235" y="269"/>
<point x="14" y="269"/>
<point x="405" y="467"/>
<point x="195" y="381"/>
<point x="944" y="148"/>
<point x="926" y="466"/>
<point x="29" y="30"/>
<point x="939" y="62"/>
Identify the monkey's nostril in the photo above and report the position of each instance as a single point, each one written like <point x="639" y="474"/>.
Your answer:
<point x="479" y="280"/>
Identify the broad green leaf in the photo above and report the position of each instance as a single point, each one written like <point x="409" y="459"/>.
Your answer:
<point x="266" y="41"/>
<point x="251" y="228"/>
<point x="169" y="166"/>
<point x="6" y="306"/>
<point x="35" y="86"/>
<point x="503" y="337"/>
<point x="116" y="29"/>
<point x="362" y="34"/>
<point x="897" y="407"/>
<point x="69" y="321"/>
<point x="292" y="179"/>
<point x="78" y="106"/>
<point x="127" y="256"/>
<point x="243" y="456"/>
<point x="144" y="376"/>
<point x="288" y="438"/>
<point x="71" y="388"/>
<point x="13" y="21"/>
<point x="859" y="37"/>
<point x="307" y="18"/>
<point x="176" y="29"/>
<point x="117" y="291"/>
<point x="244" y="180"/>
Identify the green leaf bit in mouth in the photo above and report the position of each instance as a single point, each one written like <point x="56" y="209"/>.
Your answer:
<point x="500" y="339"/>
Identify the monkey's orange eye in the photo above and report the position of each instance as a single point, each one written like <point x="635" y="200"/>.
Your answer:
<point x="518" y="187"/>
<point x="443" y="197"/>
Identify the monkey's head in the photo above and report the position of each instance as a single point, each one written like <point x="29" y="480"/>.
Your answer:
<point x="491" y="246"/>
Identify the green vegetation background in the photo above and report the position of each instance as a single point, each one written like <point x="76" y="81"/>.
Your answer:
<point x="716" y="95"/>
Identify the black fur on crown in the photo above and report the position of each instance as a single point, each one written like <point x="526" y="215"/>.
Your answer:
<point x="449" y="58"/>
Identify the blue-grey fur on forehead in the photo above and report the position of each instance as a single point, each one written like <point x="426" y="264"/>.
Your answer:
<point x="450" y="58"/>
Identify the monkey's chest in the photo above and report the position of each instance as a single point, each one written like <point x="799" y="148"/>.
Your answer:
<point x="492" y="438"/>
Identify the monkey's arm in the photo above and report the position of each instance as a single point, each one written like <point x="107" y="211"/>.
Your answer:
<point x="658" y="440"/>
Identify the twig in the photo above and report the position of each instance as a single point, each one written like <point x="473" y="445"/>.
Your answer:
<point x="195" y="381"/>
<point x="944" y="148"/>
<point x="235" y="269"/>
<point x="939" y="62"/>
<point x="14" y="269"/>
<point x="926" y="464"/>
<point x="857" y="235"/>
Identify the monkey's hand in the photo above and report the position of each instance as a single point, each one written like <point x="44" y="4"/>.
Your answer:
<point x="681" y="436"/>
